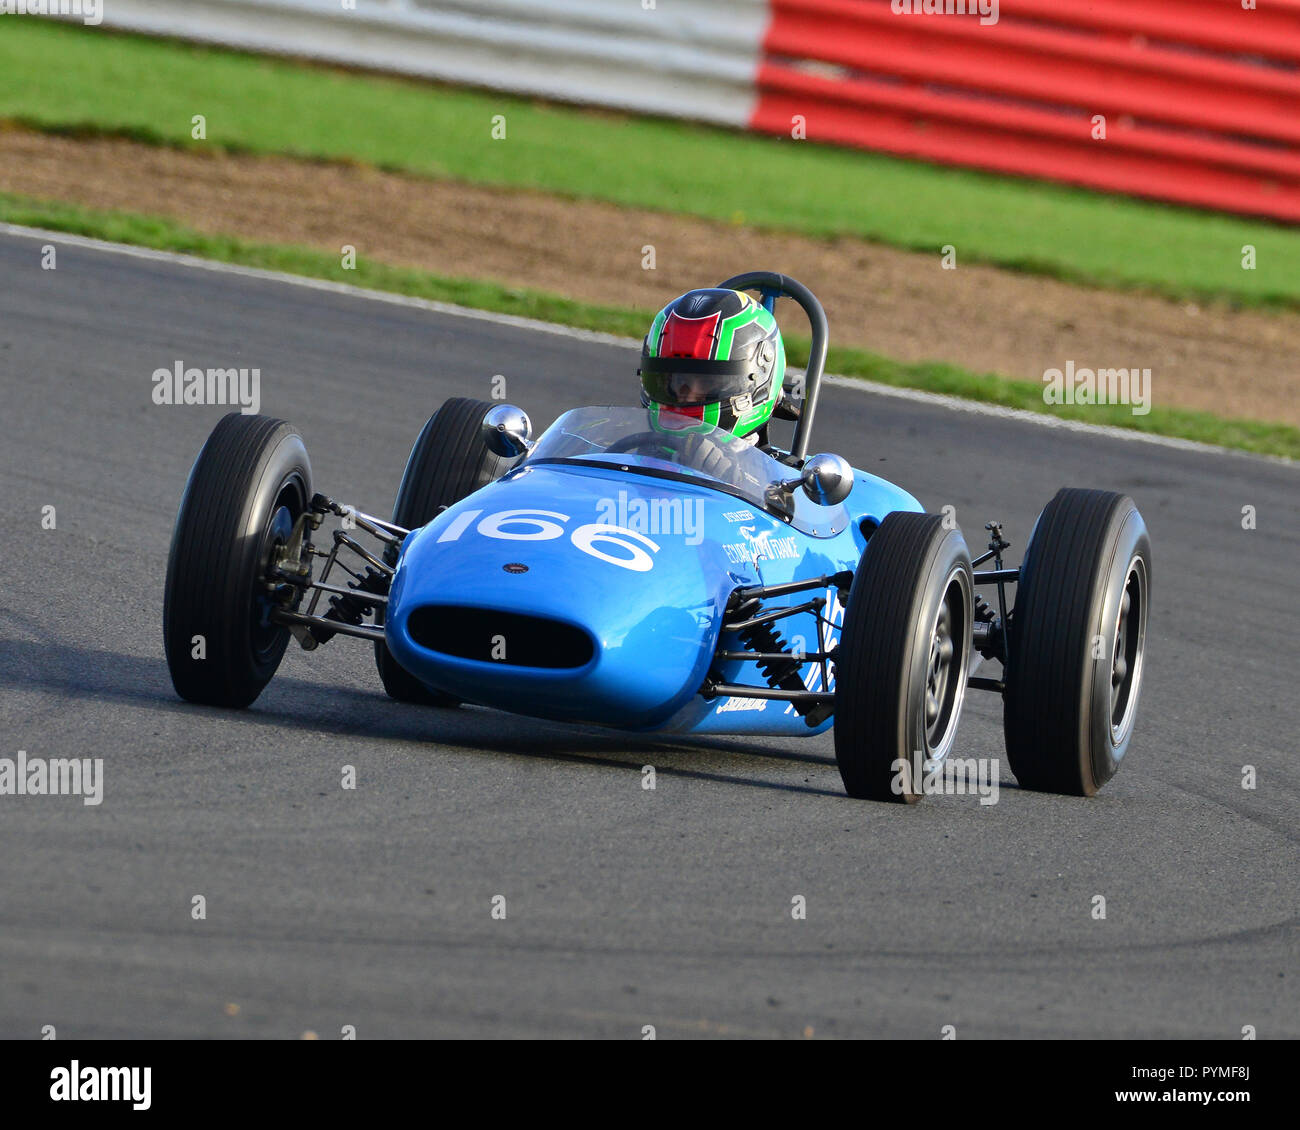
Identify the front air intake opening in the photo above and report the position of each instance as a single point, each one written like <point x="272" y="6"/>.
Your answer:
<point x="511" y="639"/>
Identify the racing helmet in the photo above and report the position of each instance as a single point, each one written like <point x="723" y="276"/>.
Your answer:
<point x="714" y="355"/>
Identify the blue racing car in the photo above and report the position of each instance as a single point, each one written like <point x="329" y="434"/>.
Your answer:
<point x="665" y="567"/>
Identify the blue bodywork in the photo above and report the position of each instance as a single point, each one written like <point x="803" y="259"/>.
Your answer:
<point x="640" y="559"/>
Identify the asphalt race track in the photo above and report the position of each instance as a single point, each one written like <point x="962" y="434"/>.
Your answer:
<point x="626" y="907"/>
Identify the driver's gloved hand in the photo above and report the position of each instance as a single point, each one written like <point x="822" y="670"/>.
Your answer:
<point x="704" y="455"/>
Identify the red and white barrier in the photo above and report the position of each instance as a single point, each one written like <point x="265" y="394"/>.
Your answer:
<point x="1200" y="98"/>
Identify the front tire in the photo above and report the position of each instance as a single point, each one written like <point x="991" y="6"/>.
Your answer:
<point x="904" y="657"/>
<point x="1077" y="643"/>
<point x="449" y="461"/>
<point x="250" y="483"/>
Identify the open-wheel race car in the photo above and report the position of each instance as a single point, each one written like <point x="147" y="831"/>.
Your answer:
<point x="658" y="574"/>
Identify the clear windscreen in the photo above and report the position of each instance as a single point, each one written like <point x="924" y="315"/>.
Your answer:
<point x="657" y="439"/>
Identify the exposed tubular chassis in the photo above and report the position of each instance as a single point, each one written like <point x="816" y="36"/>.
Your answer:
<point x="289" y="576"/>
<point x="289" y="579"/>
<point x="745" y="610"/>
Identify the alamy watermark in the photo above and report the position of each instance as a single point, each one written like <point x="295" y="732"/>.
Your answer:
<point x="987" y="10"/>
<point x="75" y="1083"/>
<point x="179" y="385"/>
<point x="666" y="516"/>
<point x="56" y="776"/>
<point x="1081" y="385"/>
<point x="952" y="776"/>
<point x="89" y="12"/>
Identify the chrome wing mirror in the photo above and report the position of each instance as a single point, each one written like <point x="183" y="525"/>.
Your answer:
<point x="508" y="431"/>
<point x="825" y="479"/>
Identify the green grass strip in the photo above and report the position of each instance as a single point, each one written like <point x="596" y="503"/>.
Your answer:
<point x="67" y="78"/>
<point x="165" y="235"/>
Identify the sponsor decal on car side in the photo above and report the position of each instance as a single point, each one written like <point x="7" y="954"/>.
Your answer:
<point x="761" y="547"/>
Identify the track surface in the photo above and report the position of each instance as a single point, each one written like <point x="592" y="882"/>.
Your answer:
<point x="626" y="907"/>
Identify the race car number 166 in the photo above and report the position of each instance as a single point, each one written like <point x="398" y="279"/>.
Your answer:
<point x="595" y="538"/>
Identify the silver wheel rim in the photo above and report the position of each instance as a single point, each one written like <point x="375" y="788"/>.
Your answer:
<point x="1128" y="645"/>
<point x="945" y="673"/>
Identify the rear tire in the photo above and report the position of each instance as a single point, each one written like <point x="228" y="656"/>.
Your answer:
<point x="249" y="484"/>
<point x="904" y="656"/>
<point x="449" y="461"/>
<point x="1077" y="643"/>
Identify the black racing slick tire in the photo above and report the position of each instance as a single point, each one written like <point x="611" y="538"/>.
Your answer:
<point x="249" y="484"/>
<point x="904" y="657"/>
<point x="449" y="461"/>
<point x="1077" y="643"/>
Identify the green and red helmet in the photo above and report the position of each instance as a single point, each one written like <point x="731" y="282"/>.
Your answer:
<point x="715" y="356"/>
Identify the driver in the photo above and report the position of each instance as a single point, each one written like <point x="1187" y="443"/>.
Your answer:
<point x="715" y="356"/>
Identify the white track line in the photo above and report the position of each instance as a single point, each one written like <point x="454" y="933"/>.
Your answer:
<point x="954" y="403"/>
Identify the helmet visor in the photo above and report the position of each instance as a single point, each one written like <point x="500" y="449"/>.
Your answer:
<point x="685" y="382"/>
